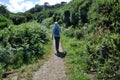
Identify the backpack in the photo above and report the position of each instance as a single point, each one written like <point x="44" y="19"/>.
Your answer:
<point x="56" y="31"/>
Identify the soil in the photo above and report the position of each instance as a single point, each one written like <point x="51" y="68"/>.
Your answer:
<point x="53" y="69"/>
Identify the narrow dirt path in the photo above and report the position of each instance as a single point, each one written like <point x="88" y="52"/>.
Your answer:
<point x="53" y="69"/>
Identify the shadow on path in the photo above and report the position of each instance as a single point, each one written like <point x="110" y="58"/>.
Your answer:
<point x="61" y="54"/>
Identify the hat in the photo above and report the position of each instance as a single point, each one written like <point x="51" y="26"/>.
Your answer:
<point x="56" y="22"/>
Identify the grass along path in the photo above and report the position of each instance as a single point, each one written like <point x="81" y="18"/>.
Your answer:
<point x="25" y="72"/>
<point x="75" y="61"/>
<point x="53" y="69"/>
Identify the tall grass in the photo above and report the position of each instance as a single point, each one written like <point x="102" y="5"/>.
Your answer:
<point x="75" y="59"/>
<point x="95" y="52"/>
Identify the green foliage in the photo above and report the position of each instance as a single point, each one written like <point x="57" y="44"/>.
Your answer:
<point x="76" y="58"/>
<point x="4" y="11"/>
<point x="18" y="18"/>
<point x="96" y="24"/>
<point x="44" y="15"/>
<point x="47" y="22"/>
<point x="29" y="16"/>
<point x="103" y="57"/>
<point x="74" y="19"/>
<point x="1" y="70"/>
<point x="95" y="12"/>
<point x="39" y="13"/>
<point x="23" y="44"/>
<point x="35" y="9"/>
<point x="72" y="32"/>
<point x="69" y="32"/>
<point x="66" y="17"/>
<point x="104" y="14"/>
<point x="56" y="16"/>
<point x="93" y="25"/>
<point x="97" y="51"/>
<point x="4" y="22"/>
<point x="45" y="11"/>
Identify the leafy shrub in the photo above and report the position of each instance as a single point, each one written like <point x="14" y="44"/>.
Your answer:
<point x="95" y="52"/>
<point x="1" y="70"/>
<point x="4" y="22"/>
<point x="104" y="59"/>
<point x="29" y="16"/>
<point x="57" y="16"/>
<point x="18" y="19"/>
<point x="74" y="19"/>
<point x="44" y="15"/>
<point x="23" y="44"/>
<point x="98" y="30"/>
<point x="47" y="22"/>
<point x="78" y="34"/>
<point x="104" y="14"/>
<point x="71" y="32"/>
<point x="66" y="18"/>
<point x="4" y="11"/>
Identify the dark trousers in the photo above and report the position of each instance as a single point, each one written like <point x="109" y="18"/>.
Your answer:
<point x="57" y="39"/>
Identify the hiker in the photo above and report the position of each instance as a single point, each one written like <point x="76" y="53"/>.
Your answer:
<point x="56" y="35"/>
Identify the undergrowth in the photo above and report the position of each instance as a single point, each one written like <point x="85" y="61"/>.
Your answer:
<point x="22" y="45"/>
<point x="96" y="52"/>
<point x="76" y="59"/>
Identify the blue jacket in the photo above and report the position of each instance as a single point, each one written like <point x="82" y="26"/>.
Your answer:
<point x="56" y="30"/>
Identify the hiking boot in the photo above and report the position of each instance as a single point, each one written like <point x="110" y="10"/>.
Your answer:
<point x="58" y="52"/>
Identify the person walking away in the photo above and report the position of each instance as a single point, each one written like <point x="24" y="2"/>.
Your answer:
<point x="56" y="35"/>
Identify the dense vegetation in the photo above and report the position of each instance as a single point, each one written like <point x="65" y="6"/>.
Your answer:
<point x="91" y="37"/>
<point x="96" y="50"/>
<point x="23" y="44"/>
<point x="4" y="22"/>
<point x="38" y="13"/>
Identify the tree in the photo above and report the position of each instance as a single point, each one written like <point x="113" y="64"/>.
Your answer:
<point x="84" y="16"/>
<point x="35" y="9"/>
<point x="74" y="18"/>
<point x="38" y="8"/>
<point x="28" y="16"/>
<point x="46" y="5"/>
<point x="4" y="11"/>
<point x="66" y="17"/>
<point x="18" y="19"/>
<point x="4" y="22"/>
